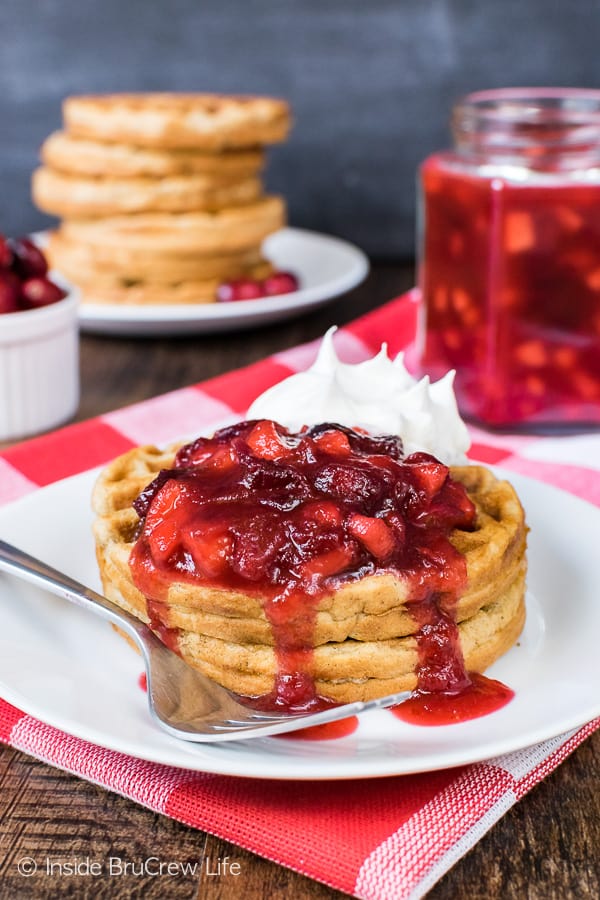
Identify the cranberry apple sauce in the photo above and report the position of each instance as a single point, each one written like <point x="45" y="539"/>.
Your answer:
<point x="289" y="517"/>
<point x="510" y="263"/>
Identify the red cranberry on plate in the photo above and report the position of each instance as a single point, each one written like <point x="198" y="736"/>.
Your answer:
<point x="241" y="289"/>
<point x="280" y="283"/>
<point x="10" y="289"/>
<point x="251" y="289"/>
<point x="29" y="261"/>
<point x="40" y="292"/>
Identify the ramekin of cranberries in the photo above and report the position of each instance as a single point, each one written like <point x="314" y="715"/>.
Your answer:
<point x="24" y="282"/>
<point x="39" y="346"/>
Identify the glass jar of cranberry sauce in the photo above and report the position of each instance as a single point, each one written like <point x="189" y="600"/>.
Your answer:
<point x="509" y="267"/>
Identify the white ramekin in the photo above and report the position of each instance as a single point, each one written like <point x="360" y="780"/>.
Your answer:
<point x="39" y="368"/>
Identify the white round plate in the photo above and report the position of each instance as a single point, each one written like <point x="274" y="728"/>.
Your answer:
<point x="71" y="670"/>
<point x="326" y="266"/>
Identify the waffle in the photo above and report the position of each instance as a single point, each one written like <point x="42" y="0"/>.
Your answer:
<point x="77" y="196"/>
<point x="123" y="292"/>
<point x="64" y="152"/>
<point x="364" y="633"/>
<point x="84" y="263"/>
<point x="182" y="121"/>
<point x="160" y="194"/>
<point x="204" y="233"/>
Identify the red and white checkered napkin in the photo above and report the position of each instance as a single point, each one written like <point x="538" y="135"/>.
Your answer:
<point x="383" y="838"/>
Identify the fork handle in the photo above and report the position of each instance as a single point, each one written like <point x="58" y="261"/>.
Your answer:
<point x="14" y="561"/>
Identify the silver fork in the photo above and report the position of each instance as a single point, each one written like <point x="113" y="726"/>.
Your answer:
<point x="185" y="703"/>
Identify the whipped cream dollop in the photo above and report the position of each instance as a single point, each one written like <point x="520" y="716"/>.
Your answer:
<point x="379" y="395"/>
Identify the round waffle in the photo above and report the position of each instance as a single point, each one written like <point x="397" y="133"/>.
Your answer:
<point x="364" y="633"/>
<point x="80" y="197"/>
<point x="200" y="121"/>
<point x="204" y="233"/>
<point x="120" y="292"/>
<point x="80" y="262"/>
<point x="78" y="156"/>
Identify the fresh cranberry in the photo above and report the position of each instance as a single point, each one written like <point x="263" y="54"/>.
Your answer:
<point x="280" y="283"/>
<point x="29" y="261"/>
<point x="6" y="254"/>
<point x="241" y="289"/>
<point x="250" y="289"/>
<point x="40" y="292"/>
<point x="10" y="289"/>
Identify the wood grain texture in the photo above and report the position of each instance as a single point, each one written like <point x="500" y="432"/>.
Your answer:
<point x="545" y="848"/>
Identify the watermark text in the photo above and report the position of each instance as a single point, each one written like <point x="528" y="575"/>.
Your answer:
<point x="118" y="866"/>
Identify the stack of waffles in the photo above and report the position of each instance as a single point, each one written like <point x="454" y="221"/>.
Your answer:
<point x="160" y="195"/>
<point x="364" y="639"/>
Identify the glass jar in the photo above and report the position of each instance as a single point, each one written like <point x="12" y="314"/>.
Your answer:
<point x="509" y="259"/>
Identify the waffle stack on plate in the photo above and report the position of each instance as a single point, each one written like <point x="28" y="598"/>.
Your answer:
<point x="364" y="631"/>
<point x="160" y="195"/>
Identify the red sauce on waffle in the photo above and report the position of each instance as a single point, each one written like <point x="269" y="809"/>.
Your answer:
<point x="290" y="517"/>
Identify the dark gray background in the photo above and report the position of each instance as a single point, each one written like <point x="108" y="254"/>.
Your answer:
<point x="371" y="84"/>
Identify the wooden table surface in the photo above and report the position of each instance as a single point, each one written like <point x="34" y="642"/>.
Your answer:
<point x="547" y="846"/>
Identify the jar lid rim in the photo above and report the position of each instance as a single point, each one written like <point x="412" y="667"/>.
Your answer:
<point x="531" y="104"/>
